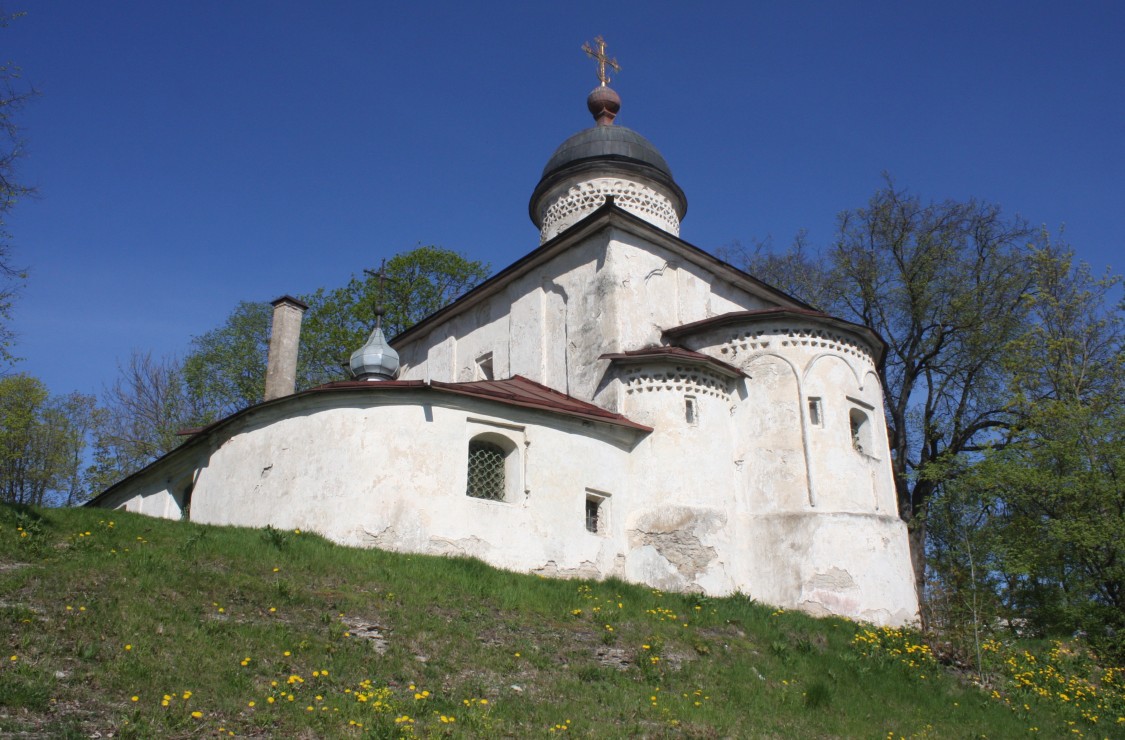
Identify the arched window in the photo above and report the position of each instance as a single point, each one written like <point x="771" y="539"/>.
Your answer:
<point x="487" y="465"/>
<point x="861" y="432"/>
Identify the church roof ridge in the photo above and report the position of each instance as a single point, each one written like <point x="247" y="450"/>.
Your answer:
<point x="609" y="211"/>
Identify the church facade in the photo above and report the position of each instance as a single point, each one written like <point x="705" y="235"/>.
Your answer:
<point x="617" y="402"/>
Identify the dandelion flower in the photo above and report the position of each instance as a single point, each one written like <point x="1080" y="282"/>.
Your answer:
<point x="249" y="703"/>
<point x="128" y="647"/>
<point x="197" y="714"/>
<point x="134" y="698"/>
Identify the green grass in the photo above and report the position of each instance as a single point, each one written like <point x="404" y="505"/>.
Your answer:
<point x="197" y="622"/>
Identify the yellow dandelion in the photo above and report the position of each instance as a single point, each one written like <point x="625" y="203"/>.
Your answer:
<point x="134" y="698"/>
<point x="197" y="714"/>
<point x="249" y="703"/>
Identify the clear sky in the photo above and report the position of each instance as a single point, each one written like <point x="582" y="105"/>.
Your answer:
<point x="190" y="155"/>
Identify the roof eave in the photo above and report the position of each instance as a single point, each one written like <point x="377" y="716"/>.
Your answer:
<point x="868" y="335"/>
<point x="605" y="215"/>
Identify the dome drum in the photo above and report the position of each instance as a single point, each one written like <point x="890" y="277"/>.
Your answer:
<point x="574" y="197"/>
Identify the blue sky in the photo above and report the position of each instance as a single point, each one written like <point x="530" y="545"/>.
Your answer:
<point x="191" y="155"/>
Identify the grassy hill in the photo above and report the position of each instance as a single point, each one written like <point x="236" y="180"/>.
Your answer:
<point x="133" y="627"/>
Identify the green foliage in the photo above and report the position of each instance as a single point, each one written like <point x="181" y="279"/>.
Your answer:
<point x="226" y="368"/>
<point x="1043" y="508"/>
<point x="41" y="442"/>
<point x="387" y="644"/>
<point x="417" y="284"/>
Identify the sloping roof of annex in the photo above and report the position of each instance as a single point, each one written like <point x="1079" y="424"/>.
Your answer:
<point x="673" y="354"/>
<point x="517" y="391"/>
<point x="865" y="334"/>
<point x="608" y="215"/>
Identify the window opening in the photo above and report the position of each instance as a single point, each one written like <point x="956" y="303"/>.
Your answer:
<point x="596" y="511"/>
<point x="815" y="416"/>
<point x="484" y="367"/>
<point x="691" y="410"/>
<point x="861" y="431"/>
<point x="486" y="471"/>
<point x="185" y="507"/>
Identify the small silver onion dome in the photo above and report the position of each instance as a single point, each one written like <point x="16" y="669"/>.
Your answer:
<point x="375" y="360"/>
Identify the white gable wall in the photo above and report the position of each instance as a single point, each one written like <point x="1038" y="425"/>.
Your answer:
<point x="614" y="291"/>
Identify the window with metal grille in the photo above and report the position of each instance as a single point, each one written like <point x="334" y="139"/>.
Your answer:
<point x="486" y="471"/>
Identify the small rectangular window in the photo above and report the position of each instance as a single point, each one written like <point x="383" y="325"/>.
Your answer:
<point x="815" y="416"/>
<point x="691" y="410"/>
<point x="484" y="367"/>
<point x="597" y="512"/>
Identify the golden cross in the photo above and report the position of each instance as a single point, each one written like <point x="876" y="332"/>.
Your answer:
<point x="603" y="60"/>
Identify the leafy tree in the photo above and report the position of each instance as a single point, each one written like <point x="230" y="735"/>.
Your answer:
<point x="13" y="96"/>
<point x="141" y="417"/>
<point x="1050" y="496"/>
<point x="226" y="369"/>
<point x="944" y="285"/>
<point x="41" y="442"/>
<point x="417" y="283"/>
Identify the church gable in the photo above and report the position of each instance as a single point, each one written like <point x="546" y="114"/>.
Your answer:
<point x="612" y="283"/>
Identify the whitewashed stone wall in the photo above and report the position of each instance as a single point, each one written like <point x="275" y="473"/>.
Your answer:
<point x="610" y="293"/>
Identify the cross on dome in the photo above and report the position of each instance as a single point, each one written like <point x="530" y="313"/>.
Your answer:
<point x="602" y="58"/>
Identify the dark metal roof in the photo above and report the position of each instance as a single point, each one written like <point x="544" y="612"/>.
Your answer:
<point x="603" y="142"/>
<point x="878" y="346"/>
<point x="674" y="354"/>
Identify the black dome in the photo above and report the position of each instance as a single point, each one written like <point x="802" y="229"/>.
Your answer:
<point x="606" y="142"/>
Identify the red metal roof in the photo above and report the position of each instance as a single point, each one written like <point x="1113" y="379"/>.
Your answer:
<point x="515" y="391"/>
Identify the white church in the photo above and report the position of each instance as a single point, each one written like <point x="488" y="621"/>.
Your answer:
<point x="617" y="402"/>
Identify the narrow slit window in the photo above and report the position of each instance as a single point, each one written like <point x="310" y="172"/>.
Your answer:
<point x="691" y="410"/>
<point x="816" y="417"/>
<point x="597" y="513"/>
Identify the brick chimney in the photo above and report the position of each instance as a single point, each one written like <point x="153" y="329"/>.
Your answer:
<point x="285" y="334"/>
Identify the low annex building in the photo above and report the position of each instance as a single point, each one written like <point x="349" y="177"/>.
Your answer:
<point x="617" y="402"/>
